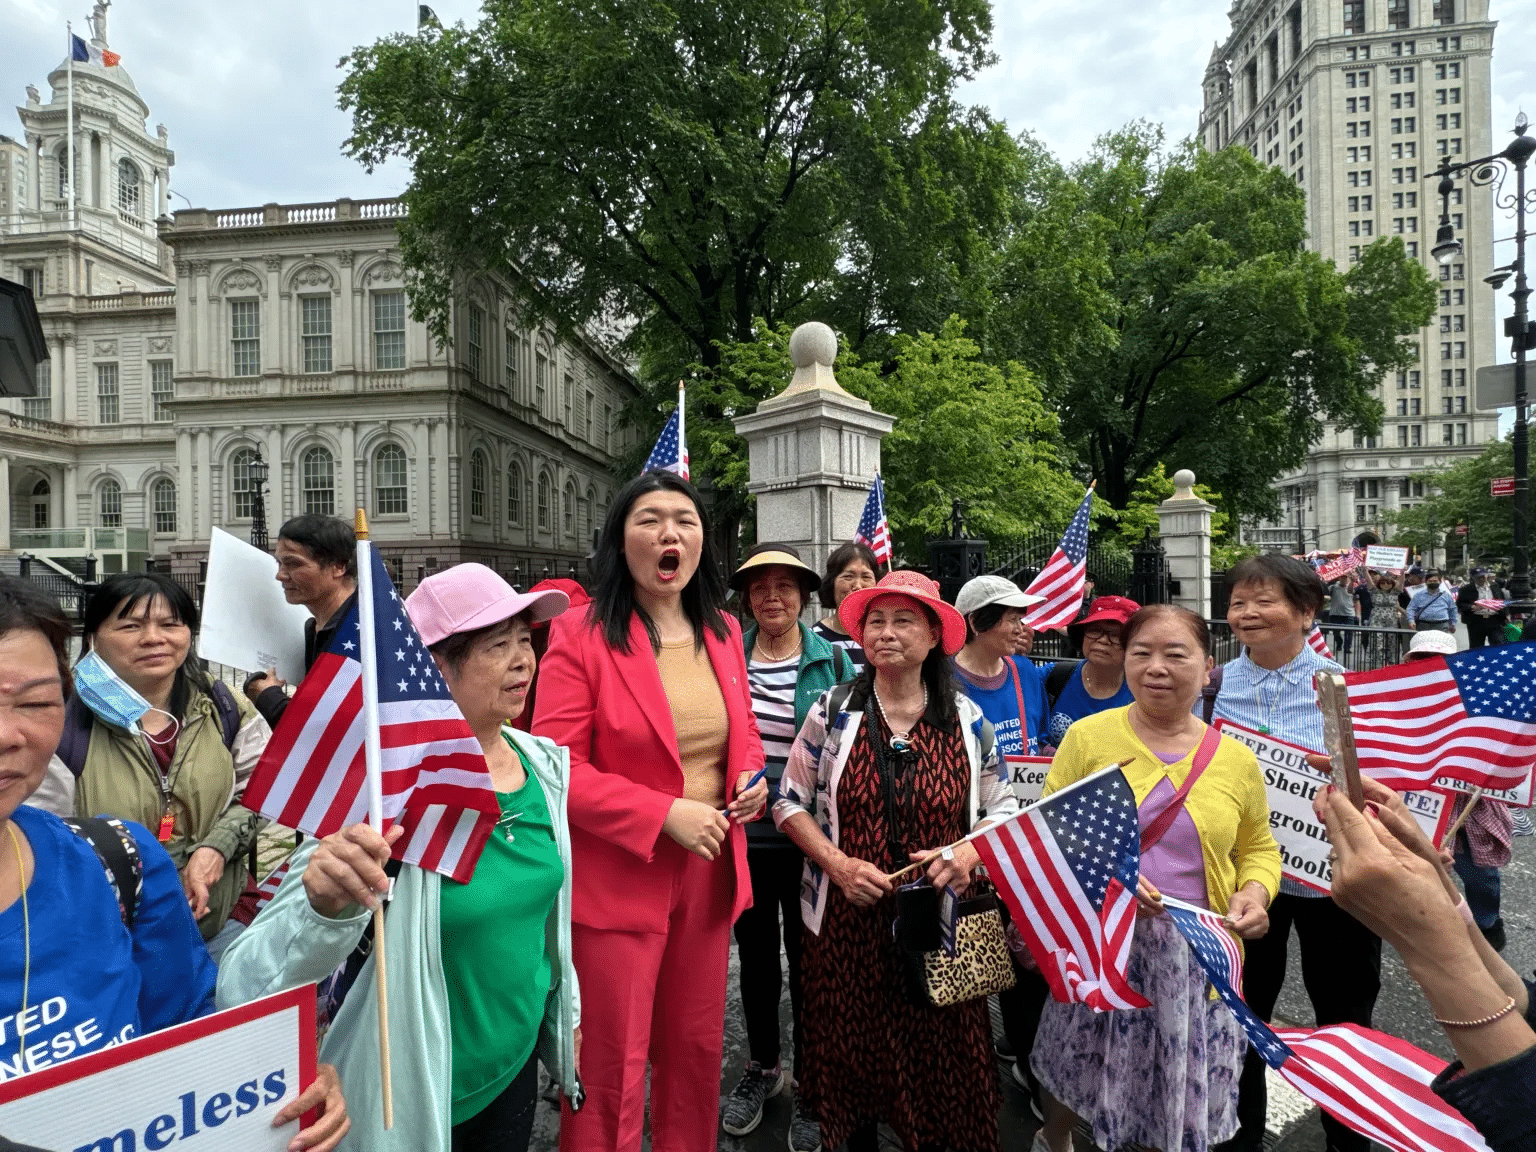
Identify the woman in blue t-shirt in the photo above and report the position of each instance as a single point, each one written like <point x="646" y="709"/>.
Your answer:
<point x="1098" y="683"/>
<point x="82" y="968"/>
<point x="1009" y="689"/>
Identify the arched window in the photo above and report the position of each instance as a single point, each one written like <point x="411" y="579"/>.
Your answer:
<point x="514" y="493"/>
<point x="240" y="487"/>
<point x="477" y="480"/>
<point x="164" y="495"/>
<point x="111" y="504"/>
<point x="40" y="493"/>
<point x="318" y="477"/>
<point x="128" y="187"/>
<point x="584" y="514"/>
<point x="389" y="481"/>
<point x="543" y="504"/>
<point x="568" y="509"/>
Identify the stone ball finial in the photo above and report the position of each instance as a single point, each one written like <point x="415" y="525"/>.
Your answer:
<point x="811" y="344"/>
<point x="1183" y="478"/>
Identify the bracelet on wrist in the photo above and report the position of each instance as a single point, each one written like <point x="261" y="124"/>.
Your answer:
<point x="1499" y="1015"/>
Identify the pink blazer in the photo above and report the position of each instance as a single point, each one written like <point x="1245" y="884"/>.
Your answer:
<point x="625" y="769"/>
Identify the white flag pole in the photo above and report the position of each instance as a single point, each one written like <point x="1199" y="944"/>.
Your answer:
<point x="70" y="158"/>
<point x="682" y="438"/>
<point x="373" y="764"/>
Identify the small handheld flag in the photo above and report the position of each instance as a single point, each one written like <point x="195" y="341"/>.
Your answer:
<point x="1316" y="642"/>
<point x="1062" y="579"/>
<point x="874" y="531"/>
<point x="671" y="451"/>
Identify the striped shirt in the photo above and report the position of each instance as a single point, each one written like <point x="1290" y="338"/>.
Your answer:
<point x="1280" y="702"/>
<point x="773" y="707"/>
<point x="848" y="644"/>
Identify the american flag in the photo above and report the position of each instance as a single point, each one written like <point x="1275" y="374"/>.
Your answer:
<point x="268" y="887"/>
<point x="1316" y="642"/>
<point x="434" y="779"/>
<point x="874" y="532"/>
<point x="671" y="451"/>
<point x="1067" y="868"/>
<point x="1376" y="1084"/>
<point x="1491" y="605"/>
<point x="1061" y="580"/>
<point x="1471" y="716"/>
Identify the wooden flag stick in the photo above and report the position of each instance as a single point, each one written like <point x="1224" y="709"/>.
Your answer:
<point x="919" y="865"/>
<point x="1461" y="821"/>
<point x="1339" y="735"/>
<point x="373" y="759"/>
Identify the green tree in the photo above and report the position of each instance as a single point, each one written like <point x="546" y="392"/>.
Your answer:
<point x="1459" y="495"/>
<point x="1168" y="304"/>
<point x="965" y="429"/>
<point x="692" y="166"/>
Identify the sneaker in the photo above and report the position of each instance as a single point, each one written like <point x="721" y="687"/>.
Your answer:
<point x="742" y="1110"/>
<point x="1494" y="934"/>
<point x="1004" y="1050"/>
<point x="804" y="1129"/>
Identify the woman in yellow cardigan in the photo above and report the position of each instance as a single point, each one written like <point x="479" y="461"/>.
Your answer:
<point x="1163" y="1077"/>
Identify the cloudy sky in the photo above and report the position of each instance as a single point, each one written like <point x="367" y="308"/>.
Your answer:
<point x="248" y="89"/>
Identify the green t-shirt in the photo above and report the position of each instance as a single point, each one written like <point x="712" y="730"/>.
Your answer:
<point x="497" y="972"/>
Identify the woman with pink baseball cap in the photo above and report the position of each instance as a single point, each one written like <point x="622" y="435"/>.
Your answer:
<point x="482" y="982"/>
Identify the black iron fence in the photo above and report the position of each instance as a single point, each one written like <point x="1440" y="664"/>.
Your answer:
<point x="1358" y="648"/>
<point x="1020" y="559"/>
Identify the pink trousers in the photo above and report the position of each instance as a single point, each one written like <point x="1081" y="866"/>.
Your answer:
<point x="657" y="997"/>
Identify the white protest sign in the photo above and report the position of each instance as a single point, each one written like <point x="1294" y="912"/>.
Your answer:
<point x="1515" y="797"/>
<point x="1291" y="784"/>
<point x="1027" y="775"/>
<point x="231" y="1072"/>
<point x="1386" y="559"/>
<point x="246" y="622"/>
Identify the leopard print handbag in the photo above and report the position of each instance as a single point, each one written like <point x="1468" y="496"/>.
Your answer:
<point x="981" y="964"/>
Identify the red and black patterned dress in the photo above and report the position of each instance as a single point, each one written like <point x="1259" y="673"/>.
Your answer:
<point x="870" y="1053"/>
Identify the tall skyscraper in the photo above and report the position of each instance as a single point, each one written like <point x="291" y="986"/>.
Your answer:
<point x="1359" y="101"/>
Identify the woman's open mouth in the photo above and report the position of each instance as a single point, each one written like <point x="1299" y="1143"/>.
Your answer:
<point x="671" y="560"/>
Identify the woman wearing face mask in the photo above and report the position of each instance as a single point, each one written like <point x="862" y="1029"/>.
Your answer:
<point x="481" y="982"/>
<point x="648" y="690"/>
<point x="148" y="737"/>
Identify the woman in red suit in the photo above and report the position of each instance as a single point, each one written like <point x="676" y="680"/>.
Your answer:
<point x="648" y="690"/>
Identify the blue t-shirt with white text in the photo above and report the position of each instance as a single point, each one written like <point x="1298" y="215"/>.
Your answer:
<point x="90" y="984"/>
<point x="1001" y="707"/>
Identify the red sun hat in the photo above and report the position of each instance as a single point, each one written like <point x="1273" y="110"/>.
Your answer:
<point x="913" y="586"/>
<point x="1105" y="610"/>
<point x="574" y="592"/>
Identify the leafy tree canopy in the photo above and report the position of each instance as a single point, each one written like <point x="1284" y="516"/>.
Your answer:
<point x="965" y="430"/>
<point x="691" y="165"/>
<point x="1460" y="495"/>
<point x="1167" y="303"/>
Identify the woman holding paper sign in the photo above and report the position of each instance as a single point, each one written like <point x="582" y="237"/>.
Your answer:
<point x="480" y="976"/>
<point x="1164" y="1077"/>
<point x="88" y="962"/>
<point x="149" y="737"/>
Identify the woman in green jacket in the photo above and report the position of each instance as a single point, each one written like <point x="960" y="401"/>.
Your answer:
<point x="482" y="985"/>
<point x="788" y="667"/>
<point x="150" y="738"/>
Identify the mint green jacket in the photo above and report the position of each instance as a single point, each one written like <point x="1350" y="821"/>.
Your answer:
<point x="291" y="944"/>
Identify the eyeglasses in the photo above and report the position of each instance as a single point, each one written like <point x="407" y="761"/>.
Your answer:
<point x="1102" y="637"/>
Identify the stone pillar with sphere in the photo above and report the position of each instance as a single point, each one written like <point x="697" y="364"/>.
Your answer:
<point x="813" y="452"/>
<point x="1185" y="526"/>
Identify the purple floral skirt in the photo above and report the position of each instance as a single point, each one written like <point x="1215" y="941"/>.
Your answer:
<point x="1163" y="1077"/>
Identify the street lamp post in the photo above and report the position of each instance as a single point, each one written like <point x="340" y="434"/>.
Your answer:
<point x="258" y="474"/>
<point x="1493" y="170"/>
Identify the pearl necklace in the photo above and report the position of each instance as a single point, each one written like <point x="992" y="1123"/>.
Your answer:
<point x="768" y="654"/>
<point x="903" y="741"/>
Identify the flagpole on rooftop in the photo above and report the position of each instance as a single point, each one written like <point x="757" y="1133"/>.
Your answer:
<point x="70" y="159"/>
<point x="373" y="763"/>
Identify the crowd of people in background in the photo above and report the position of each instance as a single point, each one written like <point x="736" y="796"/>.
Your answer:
<point x="678" y="759"/>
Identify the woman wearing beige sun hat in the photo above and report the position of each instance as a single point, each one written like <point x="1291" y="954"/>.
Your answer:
<point x="884" y="770"/>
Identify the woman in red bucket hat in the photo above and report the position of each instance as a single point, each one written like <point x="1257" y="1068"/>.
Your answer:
<point x="890" y="766"/>
<point x="1098" y="683"/>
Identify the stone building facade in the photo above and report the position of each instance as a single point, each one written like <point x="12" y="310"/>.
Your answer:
<point x="184" y="346"/>
<point x="1359" y="101"/>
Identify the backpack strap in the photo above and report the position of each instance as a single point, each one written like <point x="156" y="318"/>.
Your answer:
<point x="1056" y="681"/>
<point x="1209" y="693"/>
<point x="75" y="740"/>
<point x="229" y="712"/>
<point x="1204" y="754"/>
<point x="118" y="852"/>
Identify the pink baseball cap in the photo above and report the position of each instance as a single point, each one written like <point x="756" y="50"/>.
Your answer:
<point x="470" y="596"/>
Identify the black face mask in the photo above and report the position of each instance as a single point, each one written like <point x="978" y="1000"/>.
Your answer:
<point x="1433" y="587"/>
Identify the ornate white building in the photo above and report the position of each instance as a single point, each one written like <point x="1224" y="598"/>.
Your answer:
<point x="181" y="348"/>
<point x="1358" y="101"/>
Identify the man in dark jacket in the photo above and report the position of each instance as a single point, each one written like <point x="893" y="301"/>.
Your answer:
<point x="317" y="567"/>
<point x="1483" y="625"/>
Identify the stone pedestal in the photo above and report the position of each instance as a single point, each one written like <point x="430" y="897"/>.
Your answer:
<point x="1185" y="526"/>
<point x="813" y="450"/>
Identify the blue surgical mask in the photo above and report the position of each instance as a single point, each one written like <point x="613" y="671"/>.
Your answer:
<point x="106" y="694"/>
